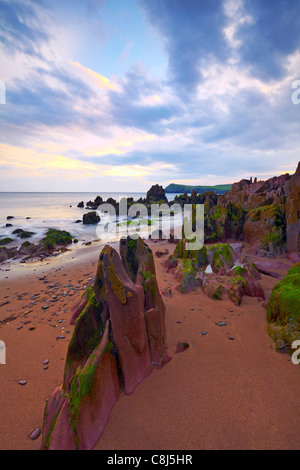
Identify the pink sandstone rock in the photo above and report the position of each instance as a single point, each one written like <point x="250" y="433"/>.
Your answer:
<point x="119" y="337"/>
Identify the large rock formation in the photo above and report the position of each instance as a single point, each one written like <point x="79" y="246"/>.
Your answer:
<point x="273" y="210"/>
<point x="119" y="337"/>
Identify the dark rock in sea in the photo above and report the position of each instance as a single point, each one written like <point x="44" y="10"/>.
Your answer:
<point x="8" y="225"/>
<point x="78" y="221"/>
<point x="94" y="204"/>
<point x="23" y="233"/>
<point x="119" y="337"/>
<point x="90" y="218"/>
<point x="10" y="217"/>
<point x="80" y="204"/>
<point x="5" y="241"/>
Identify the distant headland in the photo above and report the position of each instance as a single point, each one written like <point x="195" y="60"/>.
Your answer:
<point x="183" y="188"/>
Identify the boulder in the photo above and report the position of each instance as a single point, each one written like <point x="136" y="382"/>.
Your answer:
<point x="54" y="238"/>
<point x="90" y="218"/>
<point x="80" y="204"/>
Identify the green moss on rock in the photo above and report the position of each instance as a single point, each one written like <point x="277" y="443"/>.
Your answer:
<point x="55" y="237"/>
<point x="283" y="312"/>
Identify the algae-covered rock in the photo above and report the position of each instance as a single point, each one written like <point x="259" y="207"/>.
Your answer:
<point x="55" y="238"/>
<point x="5" y="241"/>
<point x="223" y="258"/>
<point x="240" y="281"/>
<point x="119" y="337"/>
<point x="265" y="225"/>
<point x="189" y="276"/>
<point x="283" y="312"/>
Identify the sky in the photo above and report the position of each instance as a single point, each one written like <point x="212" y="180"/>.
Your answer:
<point x="117" y="95"/>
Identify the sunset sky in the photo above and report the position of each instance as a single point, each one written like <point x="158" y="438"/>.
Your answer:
<point x="118" y="95"/>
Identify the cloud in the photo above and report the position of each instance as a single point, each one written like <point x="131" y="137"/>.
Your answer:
<point x="193" y="34"/>
<point x="20" y="29"/>
<point x="271" y="36"/>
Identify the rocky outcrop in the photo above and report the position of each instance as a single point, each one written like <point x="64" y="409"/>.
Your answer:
<point x="119" y="337"/>
<point x="94" y="204"/>
<point x="219" y="269"/>
<point x="156" y="194"/>
<point x="273" y="208"/>
<point x="283" y="314"/>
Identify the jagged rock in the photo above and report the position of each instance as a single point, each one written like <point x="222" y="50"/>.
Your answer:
<point x="90" y="218"/>
<point x="156" y="194"/>
<point x="94" y="204"/>
<point x="119" y="337"/>
<point x="274" y="207"/>
<point x="80" y="204"/>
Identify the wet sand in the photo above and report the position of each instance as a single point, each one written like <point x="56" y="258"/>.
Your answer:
<point x="228" y="390"/>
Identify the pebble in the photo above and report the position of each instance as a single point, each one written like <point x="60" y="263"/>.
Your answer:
<point x="22" y="382"/>
<point x="35" y="434"/>
<point x="46" y="361"/>
<point x="222" y="323"/>
<point x="203" y="333"/>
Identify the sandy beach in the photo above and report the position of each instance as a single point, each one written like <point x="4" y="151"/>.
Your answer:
<point x="228" y="390"/>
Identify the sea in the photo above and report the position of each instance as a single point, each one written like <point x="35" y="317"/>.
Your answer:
<point x="39" y="211"/>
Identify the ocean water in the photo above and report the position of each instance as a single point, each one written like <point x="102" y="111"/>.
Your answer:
<point x="37" y="212"/>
